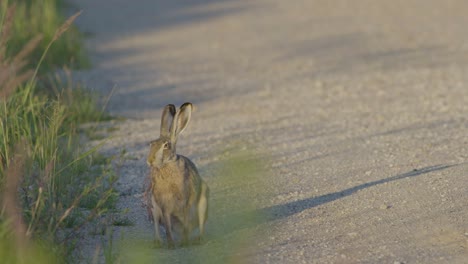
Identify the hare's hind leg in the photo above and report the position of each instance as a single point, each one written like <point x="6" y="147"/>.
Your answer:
<point x="186" y="227"/>
<point x="157" y="213"/>
<point x="202" y="208"/>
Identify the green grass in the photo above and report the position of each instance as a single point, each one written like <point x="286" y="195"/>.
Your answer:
<point x="33" y="18"/>
<point x="82" y="103"/>
<point x="57" y="179"/>
<point x="50" y="185"/>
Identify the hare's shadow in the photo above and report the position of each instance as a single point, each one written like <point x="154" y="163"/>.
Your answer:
<point x="281" y="211"/>
<point x="284" y="210"/>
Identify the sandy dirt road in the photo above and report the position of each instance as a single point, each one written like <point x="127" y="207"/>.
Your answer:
<point x="360" y="106"/>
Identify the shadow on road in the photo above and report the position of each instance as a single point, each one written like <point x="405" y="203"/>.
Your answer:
<point x="237" y="221"/>
<point x="284" y="210"/>
<point x="129" y="49"/>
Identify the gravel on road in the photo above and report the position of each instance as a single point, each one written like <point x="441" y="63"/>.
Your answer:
<point x="357" y="110"/>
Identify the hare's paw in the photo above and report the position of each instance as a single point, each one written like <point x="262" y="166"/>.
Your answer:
<point x="198" y="240"/>
<point x="171" y="245"/>
<point x="157" y="243"/>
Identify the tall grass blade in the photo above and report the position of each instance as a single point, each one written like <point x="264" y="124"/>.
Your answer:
<point x="57" y="35"/>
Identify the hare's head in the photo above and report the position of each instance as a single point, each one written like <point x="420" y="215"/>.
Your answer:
<point x="173" y="122"/>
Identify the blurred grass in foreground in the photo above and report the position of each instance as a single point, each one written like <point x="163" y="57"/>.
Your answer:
<point x="236" y="185"/>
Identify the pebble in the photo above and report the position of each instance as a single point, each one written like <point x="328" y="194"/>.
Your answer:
<point x="385" y="206"/>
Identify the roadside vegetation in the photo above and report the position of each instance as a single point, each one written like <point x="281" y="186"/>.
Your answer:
<point x="50" y="185"/>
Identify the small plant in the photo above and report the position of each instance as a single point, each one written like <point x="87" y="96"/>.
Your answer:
<point x="122" y="221"/>
<point x="82" y="103"/>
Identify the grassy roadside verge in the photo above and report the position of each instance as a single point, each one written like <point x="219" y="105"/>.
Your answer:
<point x="50" y="186"/>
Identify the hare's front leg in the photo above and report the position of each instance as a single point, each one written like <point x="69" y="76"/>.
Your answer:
<point x="157" y="214"/>
<point x="168" y="226"/>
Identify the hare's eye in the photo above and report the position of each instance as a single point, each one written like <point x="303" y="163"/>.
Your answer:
<point x="166" y="145"/>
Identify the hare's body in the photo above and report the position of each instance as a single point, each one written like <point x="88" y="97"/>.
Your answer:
<point x="178" y="191"/>
<point x="178" y="194"/>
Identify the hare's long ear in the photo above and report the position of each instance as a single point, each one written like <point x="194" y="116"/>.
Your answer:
<point x="167" y="120"/>
<point x="181" y="120"/>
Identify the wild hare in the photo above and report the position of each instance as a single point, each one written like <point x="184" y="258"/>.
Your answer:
<point x="179" y="196"/>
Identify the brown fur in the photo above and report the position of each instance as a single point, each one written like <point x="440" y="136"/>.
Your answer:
<point x="178" y="194"/>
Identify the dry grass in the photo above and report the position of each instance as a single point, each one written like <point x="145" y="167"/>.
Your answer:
<point x="10" y="204"/>
<point x="12" y="71"/>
